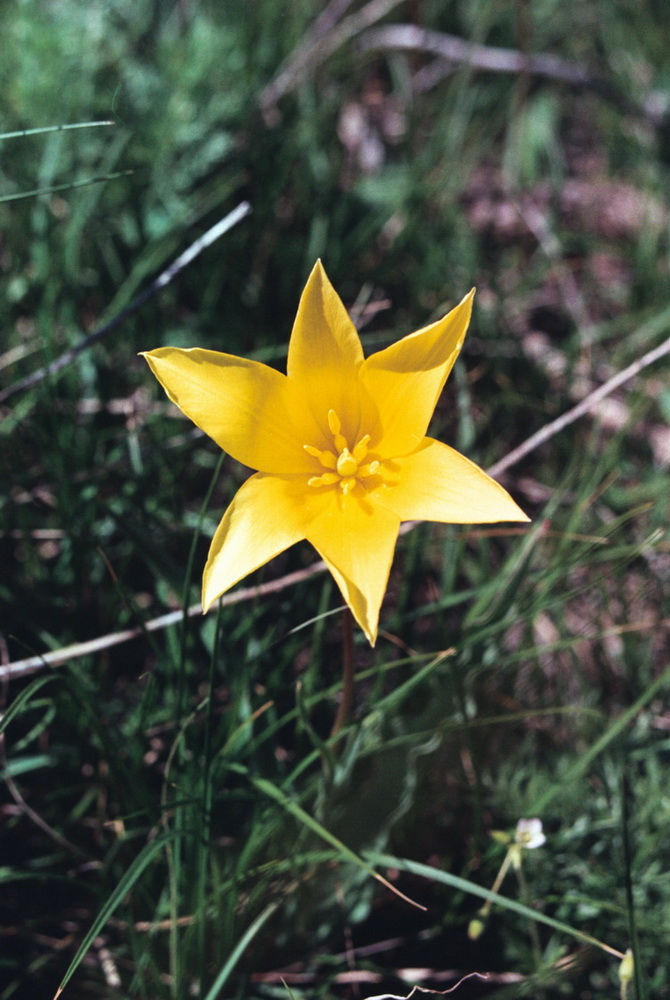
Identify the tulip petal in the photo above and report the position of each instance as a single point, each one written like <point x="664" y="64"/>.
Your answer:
<point x="436" y="483"/>
<point x="356" y="540"/>
<point x="249" y="409"/>
<point x="266" y="516"/>
<point x="406" y="379"/>
<point x="325" y="354"/>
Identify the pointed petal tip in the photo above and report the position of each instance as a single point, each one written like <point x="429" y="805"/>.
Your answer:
<point x="209" y="598"/>
<point x="319" y="272"/>
<point x="209" y="593"/>
<point x="369" y="631"/>
<point x="467" y="300"/>
<point x="513" y="511"/>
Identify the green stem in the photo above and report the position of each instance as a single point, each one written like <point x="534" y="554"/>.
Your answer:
<point x="486" y="908"/>
<point x="344" y="711"/>
<point x="534" y="935"/>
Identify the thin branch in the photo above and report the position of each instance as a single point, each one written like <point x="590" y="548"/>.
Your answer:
<point x="556" y="426"/>
<point x="411" y="38"/>
<point x="326" y="21"/>
<point x="163" y="279"/>
<point x="456" y="51"/>
<point x="23" y="807"/>
<point x="322" y="39"/>
<point x="59" y="656"/>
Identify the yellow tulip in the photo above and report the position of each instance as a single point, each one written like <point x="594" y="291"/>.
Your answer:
<point x="339" y="444"/>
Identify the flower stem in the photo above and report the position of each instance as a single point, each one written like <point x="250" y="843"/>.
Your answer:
<point x="344" y="711"/>
<point x="486" y="908"/>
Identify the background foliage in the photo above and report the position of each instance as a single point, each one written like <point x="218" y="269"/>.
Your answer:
<point x="174" y="821"/>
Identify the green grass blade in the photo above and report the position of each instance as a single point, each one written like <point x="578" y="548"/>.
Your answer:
<point x="125" y="884"/>
<point x="304" y="817"/>
<point x="69" y="186"/>
<point x="472" y="889"/>
<point x="52" y="128"/>
<point x="20" y="703"/>
<point x="244" y="941"/>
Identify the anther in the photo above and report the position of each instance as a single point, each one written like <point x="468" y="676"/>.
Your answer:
<point x="327" y="459"/>
<point x="361" y="449"/>
<point x="335" y="427"/>
<point x="334" y="422"/>
<point x="327" y="479"/>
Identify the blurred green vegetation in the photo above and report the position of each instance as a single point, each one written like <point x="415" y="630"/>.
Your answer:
<point x="171" y="805"/>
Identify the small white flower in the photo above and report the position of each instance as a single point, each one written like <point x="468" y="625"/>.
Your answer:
<point x="529" y="833"/>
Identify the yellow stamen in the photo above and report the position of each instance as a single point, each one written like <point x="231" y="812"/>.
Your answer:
<point x="344" y="466"/>
<point x="327" y="459"/>
<point x="327" y="479"/>
<point x="334" y="422"/>
<point x="335" y="429"/>
<point x="361" y="449"/>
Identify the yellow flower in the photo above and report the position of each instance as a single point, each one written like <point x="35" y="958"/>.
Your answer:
<point x="339" y="444"/>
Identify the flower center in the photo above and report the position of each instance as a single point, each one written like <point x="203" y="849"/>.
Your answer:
<point x="343" y="467"/>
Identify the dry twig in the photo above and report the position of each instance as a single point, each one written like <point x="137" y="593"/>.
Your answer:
<point x="569" y="417"/>
<point x="412" y="38"/>
<point x="452" y="50"/>
<point x="326" y="35"/>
